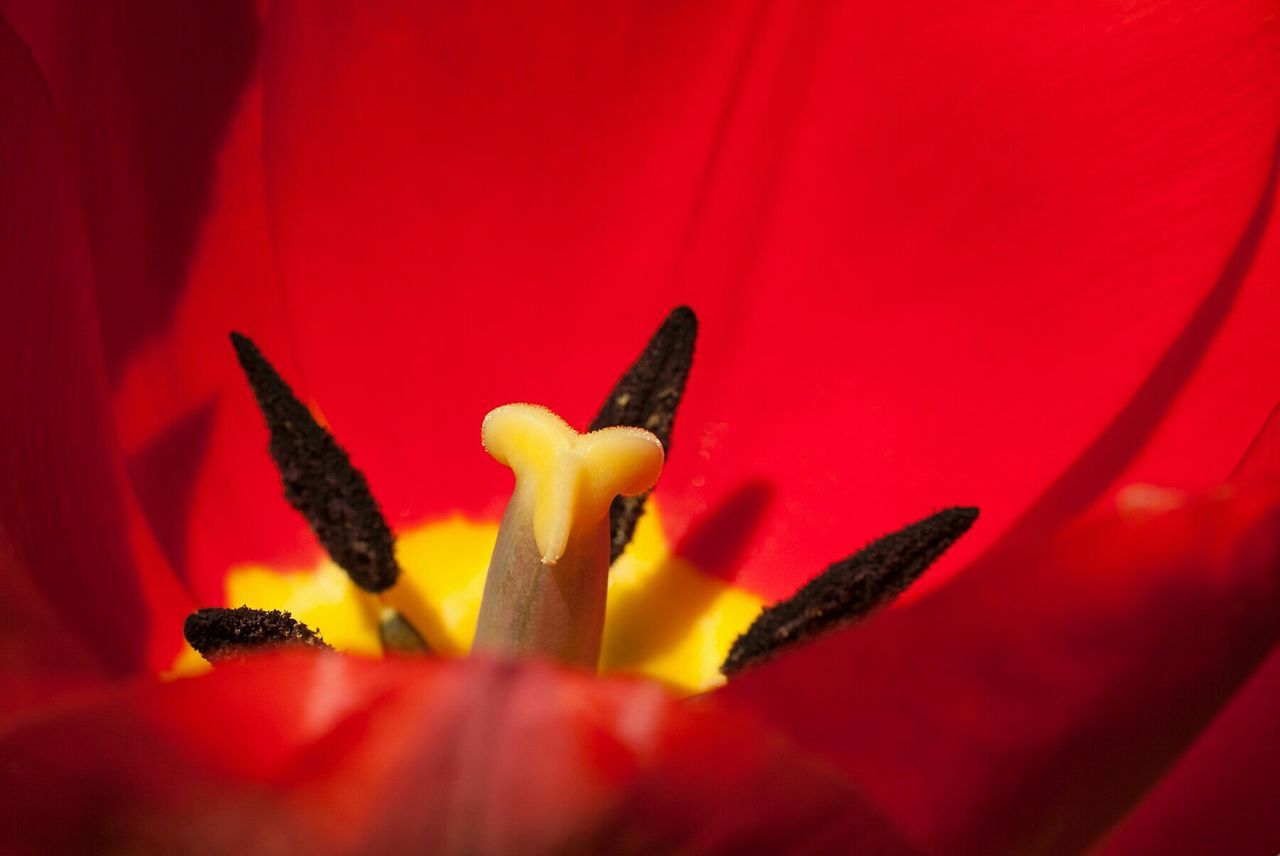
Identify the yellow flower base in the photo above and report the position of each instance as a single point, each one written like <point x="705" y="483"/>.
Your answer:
<point x="665" y="619"/>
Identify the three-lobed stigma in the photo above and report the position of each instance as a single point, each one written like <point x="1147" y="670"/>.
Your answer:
<point x="572" y="477"/>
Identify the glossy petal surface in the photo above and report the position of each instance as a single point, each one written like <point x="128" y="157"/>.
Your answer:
<point x="79" y="575"/>
<point x="1032" y="701"/>
<point x="1008" y="255"/>
<point x="941" y="220"/>
<point x="908" y="233"/>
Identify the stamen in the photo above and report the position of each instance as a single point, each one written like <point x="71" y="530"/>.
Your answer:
<point x="849" y="589"/>
<point x="222" y="633"/>
<point x="398" y="636"/>
<point x="647" y="397"/>
<point x="319" y="479"/>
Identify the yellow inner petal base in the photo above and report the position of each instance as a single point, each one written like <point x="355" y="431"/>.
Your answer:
<point x="665" y="618"/>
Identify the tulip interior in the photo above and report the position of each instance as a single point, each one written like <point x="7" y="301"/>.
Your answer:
<point x="557" y="527"/>
<point x="578" y="571"/>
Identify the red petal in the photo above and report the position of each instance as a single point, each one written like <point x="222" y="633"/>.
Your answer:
<point x="77" y="597"/>
<point x="1035" y="698"/>
<point x="144" y="91"/>
<point x="998" y="239"/>
<point x="327" y="754"/>
<point x="939" y="253"/>
<point x="1221" y="796"/>
<point x="1262" y="460"/>
<point x="188" y="421"/>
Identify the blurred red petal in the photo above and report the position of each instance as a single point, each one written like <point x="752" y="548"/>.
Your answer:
<point x="328" y="754"/>
<point x="195" y="439"/>
<point x="143" y="90"/>
<point x="78" y="594"/>
<point x="1221" y="796"/>
<point x="146" y="91"/>
<point x="1033" y="700"/>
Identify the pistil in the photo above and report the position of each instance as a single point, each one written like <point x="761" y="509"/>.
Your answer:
<point x="547" y="579"/>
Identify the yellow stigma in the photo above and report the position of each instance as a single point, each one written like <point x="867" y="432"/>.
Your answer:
<point x="573" y="477"/>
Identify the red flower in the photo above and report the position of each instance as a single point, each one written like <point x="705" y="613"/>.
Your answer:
<point x="1014" y="257"/>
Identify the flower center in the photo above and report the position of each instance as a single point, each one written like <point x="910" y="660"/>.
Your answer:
<point x="537" y="584"/>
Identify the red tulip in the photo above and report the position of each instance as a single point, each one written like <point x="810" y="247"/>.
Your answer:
<point x="1020" y="258"/>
